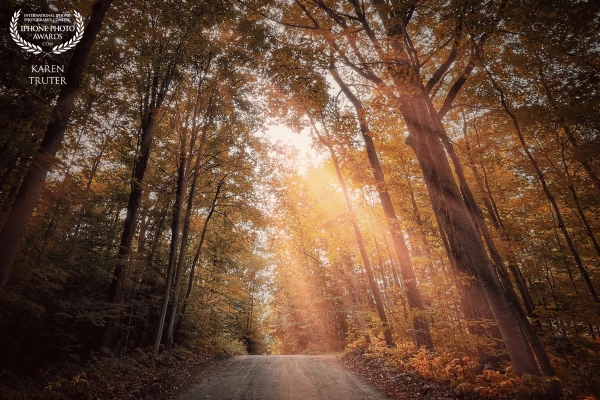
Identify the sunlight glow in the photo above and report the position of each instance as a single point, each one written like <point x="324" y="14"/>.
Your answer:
<point x="307" y="155"/>
<point x="301" y="141"/>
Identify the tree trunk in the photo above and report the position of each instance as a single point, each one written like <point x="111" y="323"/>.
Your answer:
<point x="477" y="216"/>
<point x="186" y="225"/>
<point x="153" y="104"/>
<point x="465" y="243"/>
<point x="409" y="279"/>
<point x="175" y="225"/>
<point x="549" y="196"/>
<point x="211" y="211"/>
<point x="139" y="170"/>
<point x="190" y="206"/>
<point x="16" y="223"/>
<point x="496" y="223"/>
<point x="361" y="246"/>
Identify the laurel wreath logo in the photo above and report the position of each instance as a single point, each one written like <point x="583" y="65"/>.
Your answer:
<point x="14" y="33"/>
<point x="61" y="48"/>
<point x="35" y="49"/>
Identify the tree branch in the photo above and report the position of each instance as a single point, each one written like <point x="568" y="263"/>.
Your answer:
<point x="453" y="92"/>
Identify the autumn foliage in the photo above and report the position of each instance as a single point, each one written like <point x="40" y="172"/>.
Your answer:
<point x="443" y="228"/>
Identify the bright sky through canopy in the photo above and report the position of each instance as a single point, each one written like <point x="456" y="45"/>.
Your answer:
<point x="301" y="141"/>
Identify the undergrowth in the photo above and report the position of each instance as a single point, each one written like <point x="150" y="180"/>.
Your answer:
<point x="138" y="375"/>
<point x="466" y="375"/>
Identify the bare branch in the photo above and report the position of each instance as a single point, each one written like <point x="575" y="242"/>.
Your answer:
<point x="453" y="92"/>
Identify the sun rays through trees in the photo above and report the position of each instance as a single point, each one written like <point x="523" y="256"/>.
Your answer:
<point x="443" y="220"/>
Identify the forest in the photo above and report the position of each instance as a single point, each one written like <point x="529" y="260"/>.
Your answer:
<point x="447" y="224"/>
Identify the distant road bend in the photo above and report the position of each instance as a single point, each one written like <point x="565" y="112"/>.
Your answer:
<point x="282" y="378"/>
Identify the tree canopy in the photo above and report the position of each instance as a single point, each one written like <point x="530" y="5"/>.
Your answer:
<point x="449" y="210"/>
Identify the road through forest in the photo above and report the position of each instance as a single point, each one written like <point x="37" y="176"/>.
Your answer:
<point x="282" y="378"/>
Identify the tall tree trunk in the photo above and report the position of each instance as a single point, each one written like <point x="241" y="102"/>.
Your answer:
<point x="154" y="100"/>
<point x="361" y="245"/>
<point x="542" y="179"/>
<point x="465" y="243"/>
<point x="139" y="170"/>
<point x="477" y="216"/>
<point x="409" y="279"/>
<point x="211" y="211"/>
<point x="175" y="226"/>
<point x="424" y="127"/>
<point x="190" y="205"/>
<point x="16" y="223"/>
<point x="186" y="225"/>
<point x="499" y="227"/>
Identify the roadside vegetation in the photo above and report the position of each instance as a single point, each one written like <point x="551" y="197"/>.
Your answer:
<point x="443" y="228"/>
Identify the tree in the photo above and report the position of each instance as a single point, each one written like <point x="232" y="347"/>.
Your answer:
<point x="360" y="243"/>
<point x="15" y="225"/>
<point x="161" y="73"/>
<point x="398" y="79"/>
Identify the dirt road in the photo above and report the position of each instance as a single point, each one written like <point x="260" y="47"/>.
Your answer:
<point x="282" y="378"/>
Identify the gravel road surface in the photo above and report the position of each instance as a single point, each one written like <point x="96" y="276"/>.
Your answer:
<point x="281" y="378"/>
